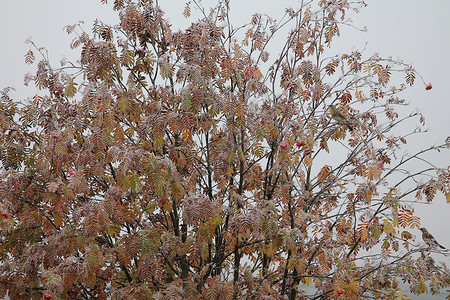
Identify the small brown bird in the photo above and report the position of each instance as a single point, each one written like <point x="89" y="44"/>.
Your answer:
<point x="339" y="117"/>
<point x="429" y="239"/>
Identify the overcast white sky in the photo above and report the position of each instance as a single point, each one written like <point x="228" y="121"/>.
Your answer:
<point x="415" y="31"/>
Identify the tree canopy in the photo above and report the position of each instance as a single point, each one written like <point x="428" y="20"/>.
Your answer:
<point x="217" y="161"/>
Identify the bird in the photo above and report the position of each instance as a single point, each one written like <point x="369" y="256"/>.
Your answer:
<point x="339" y="117"/>
<point x="429" y="239"/>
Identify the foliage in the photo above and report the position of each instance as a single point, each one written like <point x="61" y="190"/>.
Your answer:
<point x="204" y="164"/>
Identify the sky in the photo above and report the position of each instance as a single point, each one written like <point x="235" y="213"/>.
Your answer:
<point x="415" y="31"/>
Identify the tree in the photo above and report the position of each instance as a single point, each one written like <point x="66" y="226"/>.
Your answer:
<point x="196" y="164"/>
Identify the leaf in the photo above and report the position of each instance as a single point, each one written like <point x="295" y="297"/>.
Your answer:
<point x="406" y="235"/>
<point x="29" y="57"/>
<point x="124" y="104"/>
<point x="415" y="222"/>
<point x="324" y="145"/>
<point x="388" y="228"/>
<point x="118" y="4"/>
<point x="71" y="88"/>
<point x="308" y="161"/>
<point x="410" y="77"/>
<point x="363" y="231"/>
<point x="330" y="68"/>
<point x="346" y="97"/>
<point x="324" y="172"/>
<point x="187" y="10"/>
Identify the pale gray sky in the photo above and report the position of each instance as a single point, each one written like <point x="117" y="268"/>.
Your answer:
<point x="415" y="31"/>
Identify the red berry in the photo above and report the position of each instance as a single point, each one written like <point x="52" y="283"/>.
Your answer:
<point x="339" y="292"/>
<point x="71" y="172"/>
<point x="4" y="215"/>
<point x="300" y="143"/>
<point x="263" y="120"/>
<point x="429" y="86"/>
<point x="283" y="144"/>
<point x="47" y="296"/>
<point x="396" y="114"/>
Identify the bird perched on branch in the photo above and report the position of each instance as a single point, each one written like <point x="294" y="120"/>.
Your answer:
<point x="429" y="239"/>
<point x="339" y="117"/>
